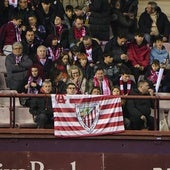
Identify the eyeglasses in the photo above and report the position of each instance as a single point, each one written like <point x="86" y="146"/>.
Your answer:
<point x="71" y="88"/>
<point x="19" y="48"/>
<point x="75" y="73"/>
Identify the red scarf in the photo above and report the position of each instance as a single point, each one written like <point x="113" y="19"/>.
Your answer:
<point x="105" y="89"/>
<point x="79" y="33"/>
<point x="59" y="29"/>
<point x="122" y="92"/>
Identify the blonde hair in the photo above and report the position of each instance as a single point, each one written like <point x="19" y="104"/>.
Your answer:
<point x="74" y="67"/>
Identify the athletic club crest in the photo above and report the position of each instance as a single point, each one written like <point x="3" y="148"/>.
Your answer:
<point x="87" y="115"/>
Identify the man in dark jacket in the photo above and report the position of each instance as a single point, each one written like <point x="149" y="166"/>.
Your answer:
<point x="154" y="22"/>
<point x="140" y="109"/>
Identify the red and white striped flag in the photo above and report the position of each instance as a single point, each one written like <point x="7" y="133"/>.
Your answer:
<point x="86" y="115"/>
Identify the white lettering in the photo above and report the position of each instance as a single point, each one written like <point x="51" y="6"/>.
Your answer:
<point x="33" y="165"/>
<point x="73" y="165"/>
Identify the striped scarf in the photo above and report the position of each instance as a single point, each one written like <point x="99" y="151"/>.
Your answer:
<point x="122" y="90"/>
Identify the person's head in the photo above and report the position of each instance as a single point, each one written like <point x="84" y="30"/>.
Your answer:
<point x="155" y="65"/>
<point x="17" y="48"/>
<point x="99" y="74"/>
<point x="108" y="58"/>
<point x="16" y="19"/>
<point x="139" y="38"/>
<point x="78" y="11"/>
<point x="71" y="89"/>
<point x="29" y="35"/>
<point x="46" y="86"/>
<point x="51" y="40"/>
<point x="78" y="22"/>
<point x="64" y="57"/>
<point x="69" y="11"/>
<point x="125" y="73"/>
<point x="87" y="41"/>
<point x="75" y="72"/>
<point x="58" y="20"/>
<point x="23" y="4"/>
<point x="95" y="91"/>
<point x="32" y="20"/>
<point x="45" y="4"/>
<point x="151" y="7"/>
<point x="115" y="90"/>
<point x="121" y="39"/>
<point x="5" y="3"/>
<point x="82" y="58"/>
<point x="41" y="52"/>
<point x="143" y="86"/>
<point x="34" y="71"/>
<point x="158" y="42"/>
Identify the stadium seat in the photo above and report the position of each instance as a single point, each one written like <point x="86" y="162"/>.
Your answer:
<point x="2" y="81"/>
<point x="2" y="64"/>
<point x="4" y="117"/>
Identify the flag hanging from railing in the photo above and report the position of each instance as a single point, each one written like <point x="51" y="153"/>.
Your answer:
<point x="86" y="115"/>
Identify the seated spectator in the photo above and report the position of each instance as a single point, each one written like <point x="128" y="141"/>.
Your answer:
<point x="152" y="72"/>
<point x="76" y="77"/>
<point x="77" y="32"/>
<point x="117" y="46"/>
<point x="140" y="110"/>
<point x="116" y="92"/>
<point x="159" y="52"/>
<point x="69" y="16"/>
<point x="101" y="81"/>
<point x="39" y="30"/>
<point x="84" y="65"/>
<point x="43" y="62"/>
<point x="139" y="55"/>
<point x="61" y="30"/>
<point x="54" y="48"/>
<point x="153" y="22"/>
<point x="30" y="44"/>
<point x="34" y="82"/>
<point x="17" y="65"/>
<point x="92" y="49"/>
<point x="41" y="107"/>
<point x="10" y="33"/>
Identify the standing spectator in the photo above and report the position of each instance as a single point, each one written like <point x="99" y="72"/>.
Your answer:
<point x="77" y="32"/>
<point x="99" y="20"/>
<point x="139" y="55"/>
<point x="41" y="108"/>
<point x="17" y="65"/>
<point x="154" y="22"/>
<point x="140" y="110"/>
<point x="10" y="33"/>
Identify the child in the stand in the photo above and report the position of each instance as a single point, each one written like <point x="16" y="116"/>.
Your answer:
<point x="34" y="82"/>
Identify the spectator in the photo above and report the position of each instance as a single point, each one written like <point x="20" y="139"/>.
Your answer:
<point x="92" y="49"/>
<point x="76" y="77"/>
<point x="77" y="32"/>
<point x="30" y="44"/>
<point x="154" y="22"/>
<point x="101" y="81"/>
<point x="6" y="11"/>
<point x="17" y="65"/>
<point x="139" y="55"/>
<point x="41" y="108"/>
<point x="71" y="89"/>
<point x="99" y="20"/>
<point x="95" y="91"/>
<point x="9" y="34"/>
<point x="43" y="62"/>
<point x="140" y="110"/>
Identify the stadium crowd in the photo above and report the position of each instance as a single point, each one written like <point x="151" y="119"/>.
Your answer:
<point x="91" y="46"/>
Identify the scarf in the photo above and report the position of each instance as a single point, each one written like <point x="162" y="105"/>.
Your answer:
<point x="122" y="92"/>
<point x="79" y="33"/>
<point x="104" y="86"/>
<point x="153" y="76"/>
<point x="18" y="59"/>
<point x="18" y="33"/>
<point x="59" y="29"/>
<point x="37" y="80"/>
<point x="53" y="54"/>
